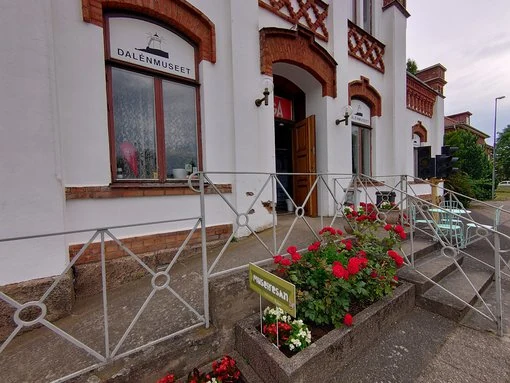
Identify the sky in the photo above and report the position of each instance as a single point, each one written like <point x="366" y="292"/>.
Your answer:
<point x="471" y="38"/>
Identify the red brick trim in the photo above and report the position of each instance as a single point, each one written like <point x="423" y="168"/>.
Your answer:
<point x="179" y="14"/>
<point x="127" y="191"/>
<point x="298" y="48"/>
<point x="420" y="97"/>
<point x="365" y="47"/>
<point x="301" y="16"/>
<point x="420" y="130"/>
<point x="148" y="243"/>
<point x="362" y="90"/>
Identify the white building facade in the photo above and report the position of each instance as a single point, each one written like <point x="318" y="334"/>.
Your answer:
<point x="107" y="105"/>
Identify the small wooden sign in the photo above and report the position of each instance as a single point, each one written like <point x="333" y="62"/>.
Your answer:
<point x="273" y="288"/>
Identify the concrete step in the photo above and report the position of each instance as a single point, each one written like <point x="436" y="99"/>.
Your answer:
<point x="437" y="300"/>
<point x="430" y="267"/>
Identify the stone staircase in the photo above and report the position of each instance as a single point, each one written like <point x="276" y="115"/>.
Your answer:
<point x="438" y="278"/>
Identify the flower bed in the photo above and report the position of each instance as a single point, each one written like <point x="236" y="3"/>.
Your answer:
<point x="337" y="281"/>
<point x="326" y="357"/>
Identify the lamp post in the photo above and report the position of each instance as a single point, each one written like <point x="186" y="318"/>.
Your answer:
<point x="494" y="146"/>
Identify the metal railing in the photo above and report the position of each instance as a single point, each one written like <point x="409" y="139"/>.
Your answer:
<point x="259" y="233"/>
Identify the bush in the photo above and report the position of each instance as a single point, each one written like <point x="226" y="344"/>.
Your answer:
<point x="338" y="274"/>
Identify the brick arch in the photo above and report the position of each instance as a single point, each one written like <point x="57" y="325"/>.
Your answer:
<point x="362" y="90"/>
<point x="181" y="15"/>
<point x="298" y="48"/>
<point x="420" y="130"/>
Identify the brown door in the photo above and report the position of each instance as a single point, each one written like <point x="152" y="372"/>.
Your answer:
<point x="303" y="161"/>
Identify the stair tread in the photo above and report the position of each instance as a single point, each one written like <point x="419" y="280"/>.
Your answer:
<point x="456" y="283"/>
<point x="431" y="266"/>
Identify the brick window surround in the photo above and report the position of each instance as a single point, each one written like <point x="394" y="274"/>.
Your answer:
<point x="362" y="90"/>
<point x="181" y="15"/>
<point x="130" y="191"/>
<point x="420" y="130"/>
<point x="299" y="48"/>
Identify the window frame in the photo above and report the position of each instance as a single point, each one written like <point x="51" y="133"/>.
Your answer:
<point x="158" y="78"/>
<point x="361" y="148"/>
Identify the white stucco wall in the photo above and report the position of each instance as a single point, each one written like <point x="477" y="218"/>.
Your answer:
<point x="55" y="130"/>
<point x="31" y="197"/>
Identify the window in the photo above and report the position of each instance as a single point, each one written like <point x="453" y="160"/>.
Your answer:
<point x="361" y="150"/>
<point x="361" y="138"/>
<point x="153" y="106"/>
<point x="362" y="9"/>
<point x="367" y="16"/>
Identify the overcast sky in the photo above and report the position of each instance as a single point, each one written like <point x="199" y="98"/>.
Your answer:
<point x="471" y="38"/>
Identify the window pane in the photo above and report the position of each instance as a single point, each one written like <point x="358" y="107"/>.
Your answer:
<point x="179" y="107"/>
<point x="365" y="151"/>
<point x="134" y="125"/>
<point x="355" y="149"/>
<point x="367" y="15"/>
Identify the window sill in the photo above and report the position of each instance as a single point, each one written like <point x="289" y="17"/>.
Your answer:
<point x="130" y="190"/>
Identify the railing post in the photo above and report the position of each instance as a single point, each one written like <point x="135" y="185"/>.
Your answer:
<point x="497" y="278"/>
<point x="205" y="274"/>
<point x="105" y="301"/>
<point x="273" y="211"/>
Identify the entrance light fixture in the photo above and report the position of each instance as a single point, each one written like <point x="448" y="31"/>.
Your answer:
<point x="347" y="114"/>
<point x="267" y="84"/>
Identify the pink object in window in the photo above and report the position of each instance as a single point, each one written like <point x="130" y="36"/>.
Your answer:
<point x="129" y="153"/>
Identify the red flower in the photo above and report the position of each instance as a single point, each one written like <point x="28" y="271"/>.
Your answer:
<point x="353" y="265"/>
<point x="388" y="227"/>
<point x="399" y="261"/>
<point x="339" y="232"/>
<point x="373" y="274"/>
<point x="339" y="271"/>
<point x="398" y="229"/>
<point x="169" y="378"/>
<point x="327" y="229"/>
<point x="348" y="319"/>
<point x="314" y="246"/>
<point x="277" y="259"/>
<point x="348" y="245"/>
<point x="291" y="249"/>
<point x="285" y="262"/>
<point x="402" y="235"/>
<point x="296" y="256"/>
<point x="395" y="278"/>
<point x="362" y="254"/>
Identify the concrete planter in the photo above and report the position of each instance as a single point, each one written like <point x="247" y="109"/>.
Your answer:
<point x="322" y="360"/>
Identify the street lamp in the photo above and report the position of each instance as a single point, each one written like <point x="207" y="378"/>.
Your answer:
<point x="494" y="146"/>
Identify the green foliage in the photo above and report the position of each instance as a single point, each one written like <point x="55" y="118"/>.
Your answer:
<point x="472" y="158"/>
<point x="474" y="177"/>
<point x="503" y="155"/>
<point x="412" y="67"/>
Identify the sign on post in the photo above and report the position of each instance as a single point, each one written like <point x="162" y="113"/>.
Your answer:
<point x="273" y="288"/>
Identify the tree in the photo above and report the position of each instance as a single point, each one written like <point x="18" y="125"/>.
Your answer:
<point x="472" y="158"/>
<point x="475" y="175"/>
<point x="503" y="154"/>
<point x="412" y="67"/>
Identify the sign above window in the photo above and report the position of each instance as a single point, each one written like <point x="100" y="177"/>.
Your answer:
<point x="283" y="108"/>
<point x="360" y="113"/>
<point x="149" y="45"/>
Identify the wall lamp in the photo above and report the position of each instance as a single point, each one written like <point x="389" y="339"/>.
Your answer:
<point x="267" y="84"/>
<point x="347" y="114"/>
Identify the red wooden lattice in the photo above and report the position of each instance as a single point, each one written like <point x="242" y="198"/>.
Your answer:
<point x="365" y="47"/>
<point x="311" y="14"/>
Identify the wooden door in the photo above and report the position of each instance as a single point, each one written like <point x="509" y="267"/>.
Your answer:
<point x="303" y="161"/>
